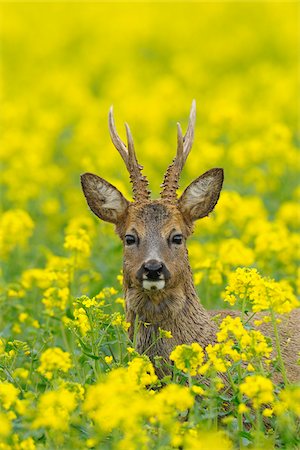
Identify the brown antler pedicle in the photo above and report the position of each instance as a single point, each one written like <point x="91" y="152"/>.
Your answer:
<point x="138" y="180"/>
<point x="184" y="145"/>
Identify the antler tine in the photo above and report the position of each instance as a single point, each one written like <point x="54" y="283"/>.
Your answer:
<point x="179" y="141"/>
<point x="116" y="140"/>
<point x="184" y="145"/>
<point x="131" y="153"/>
<point x="138" y="180"/>
<point x="189" y="135"/>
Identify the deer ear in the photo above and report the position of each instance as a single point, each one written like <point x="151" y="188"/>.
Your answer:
<point x="103" y="198"/>
<point x="201" y="196"/>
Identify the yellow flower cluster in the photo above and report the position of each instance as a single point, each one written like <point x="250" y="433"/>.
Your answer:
<point x="54" y="409"/>
<point x="8" y="394"/>
<point x="79" y="243"/>
<point x="142" y="371"/>
<point x="201" y="440"/>
<point x="289" y="400"/>
<point x="120" y="402"/>
<point x="16" y="227"/>
<point x="54" y="360"/>
<point x="55" y="299"/>
<point x="252" y="342"/>
<point x="118" y="320"/>
<point x="247" y="285"/>
<point x="258" y="389"/>
<point x="235" y="344"/>
<point x="188" y="358"/>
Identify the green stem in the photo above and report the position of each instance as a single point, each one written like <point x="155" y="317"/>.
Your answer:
<point x="257" y="428"/>
<point x="240" y="416"/>
<point x="278" y="349"/>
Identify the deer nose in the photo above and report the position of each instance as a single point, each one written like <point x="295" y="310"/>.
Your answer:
<point x="153" y="269"/>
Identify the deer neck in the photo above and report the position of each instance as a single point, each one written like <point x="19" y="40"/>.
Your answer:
<point x="175" y="309"/>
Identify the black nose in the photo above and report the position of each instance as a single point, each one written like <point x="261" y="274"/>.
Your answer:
<point x="153" y="269"/>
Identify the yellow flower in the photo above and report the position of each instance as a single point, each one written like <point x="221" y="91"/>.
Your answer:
<point x="130" y="350"/>
<point x="52" y="360"/>
<point x="288" y="400"/>
<point x="23" y="316"/>
<point x="165" y="334"/>
<point x="259" y="389"/>
<point x="202" y="440"/>
<point x="142" y="371"/>
<point x="262" y="293"/>
<point x="20" y="372"/>
<point x="120" y="301"/>
<point x="242" y="408"/>
<point x="108" y="359"/>
<point x="81" y="320"/>
<point x="16" y="227"/>
<point x="267" y="412"/>
<point x="56" y="298"/>
<point x="8" y="394"/>
<point x="79" y="243"/>
<point x="198" y="390"/>
<point x="5" y="425"/>
<point x="188" y="358"/>
<point x="54" y="408"/>
<point x="119" y="320"/>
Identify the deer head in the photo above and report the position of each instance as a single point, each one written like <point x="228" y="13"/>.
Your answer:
<point x="154" y="232"/>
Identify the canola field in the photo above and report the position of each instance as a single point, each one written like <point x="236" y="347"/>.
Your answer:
<point x="69" y="376"/>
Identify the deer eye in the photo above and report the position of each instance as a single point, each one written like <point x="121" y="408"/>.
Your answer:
<point x="177" y="239"/>
<point x="130" y="239"/>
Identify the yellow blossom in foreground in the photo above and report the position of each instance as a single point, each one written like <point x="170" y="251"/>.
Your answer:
<point x="198" y="390"/>
<point x="20" y="372"/>
<point x="53" y="360"/>
<point x="142" y="371"/>
<point x="203" y="440"/>
<point x="54" y="408"/>
<point x="289" y="400"/>
<point x="8" y="394"/>
<point x="242" y="408"/>
<point x="171" y="399"/>
<point x="5" y="425"/>
<point x="188" y="358"/>
<point x="258" y="389"/>
<point x="108" y="359"/>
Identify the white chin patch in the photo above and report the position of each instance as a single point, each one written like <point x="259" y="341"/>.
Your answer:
<point x="153" y="285"/>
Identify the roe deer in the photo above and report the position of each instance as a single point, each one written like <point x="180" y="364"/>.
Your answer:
<point x="158" y="283"/>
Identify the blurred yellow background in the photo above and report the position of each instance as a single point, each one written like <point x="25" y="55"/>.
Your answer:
<point x="64" y="64"/>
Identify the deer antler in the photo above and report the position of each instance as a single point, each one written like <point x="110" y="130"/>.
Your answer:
<point x="184" y="145"/>
<point x="138" y="180"/>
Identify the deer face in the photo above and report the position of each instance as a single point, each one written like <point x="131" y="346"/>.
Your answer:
<point x="154" y="245"/>
<point x="154" y="232"/>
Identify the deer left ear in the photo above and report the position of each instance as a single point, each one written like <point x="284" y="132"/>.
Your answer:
<point x="104" y="199"/>
<point x="201" y="196"/>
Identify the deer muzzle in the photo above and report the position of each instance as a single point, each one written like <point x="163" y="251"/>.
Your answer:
<point x="153" y="275"/>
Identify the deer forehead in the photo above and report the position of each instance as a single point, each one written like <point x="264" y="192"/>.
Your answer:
<point x="154" y="219"/>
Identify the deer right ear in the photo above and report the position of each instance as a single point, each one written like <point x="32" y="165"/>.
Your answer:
<point x="105" y="200"/>
<point x="201" y="196"/>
